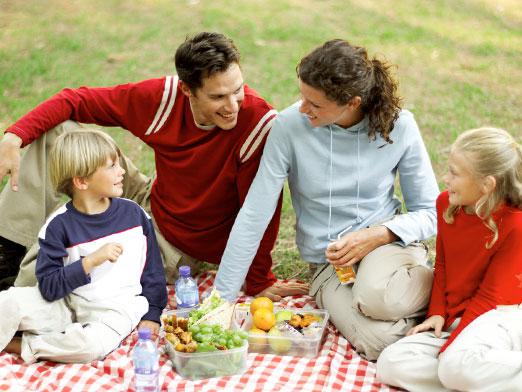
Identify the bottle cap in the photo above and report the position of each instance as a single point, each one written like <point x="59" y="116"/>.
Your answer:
<point x="144" y="333"/>
<point x="184" y="271"/>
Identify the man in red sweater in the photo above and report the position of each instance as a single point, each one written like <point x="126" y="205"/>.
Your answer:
<point x="207" y="129"/>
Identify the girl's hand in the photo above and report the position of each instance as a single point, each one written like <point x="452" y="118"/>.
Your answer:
<point x="434" y="322"/>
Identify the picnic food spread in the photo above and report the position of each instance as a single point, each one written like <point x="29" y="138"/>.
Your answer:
<point x="213" y="339"/>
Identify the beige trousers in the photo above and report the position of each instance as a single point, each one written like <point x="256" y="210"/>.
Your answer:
<point x="71" y="329"/>
<point x="23" y="213"/>
<point x="486" y="356"/>
<point x="391" y="289"/>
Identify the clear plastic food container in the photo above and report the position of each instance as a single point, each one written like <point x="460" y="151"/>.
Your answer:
<point x="197" y="366"/>
<point x="201" y="365"/>
<point x="298" y="344"/>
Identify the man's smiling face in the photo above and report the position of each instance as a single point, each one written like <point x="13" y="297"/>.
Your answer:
<point x="218" y="101"/>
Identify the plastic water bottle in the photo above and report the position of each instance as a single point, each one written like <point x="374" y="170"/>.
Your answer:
<point x="146" y="365"/>
<point x="187" y="294"/>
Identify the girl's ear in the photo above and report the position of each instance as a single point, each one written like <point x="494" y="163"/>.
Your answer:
<point x="488" y="185"/>
<point x="80" y="183"/>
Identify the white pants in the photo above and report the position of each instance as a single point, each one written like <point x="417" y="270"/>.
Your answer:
<point x="67" y="330"/>
<point x="486" y="356"/>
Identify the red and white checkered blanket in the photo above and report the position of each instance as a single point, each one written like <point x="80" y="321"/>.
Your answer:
<point x="337" y="367"/>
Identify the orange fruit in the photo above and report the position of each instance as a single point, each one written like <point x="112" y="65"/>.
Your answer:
<point x="264" y="319"/>
<point x="261" y="303"/>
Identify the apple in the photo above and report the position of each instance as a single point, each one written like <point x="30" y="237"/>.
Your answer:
<point x="256" y="339"/>
<point x="277" y="341"/>
<point x="283" y="315"/>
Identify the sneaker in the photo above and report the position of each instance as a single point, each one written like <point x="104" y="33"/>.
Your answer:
<point x="11" y="254"/>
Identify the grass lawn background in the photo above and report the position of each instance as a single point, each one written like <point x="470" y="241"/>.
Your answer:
<point x="459" y="63"/>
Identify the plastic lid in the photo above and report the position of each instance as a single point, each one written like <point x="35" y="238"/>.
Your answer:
<point x="144" y="333"/>
<point x="184" y="271"/>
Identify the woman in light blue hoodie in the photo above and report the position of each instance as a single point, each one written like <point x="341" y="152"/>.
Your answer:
<point x="341" y="148"/>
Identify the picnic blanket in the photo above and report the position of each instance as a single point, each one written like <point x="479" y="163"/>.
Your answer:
<point x="337" y="367"/>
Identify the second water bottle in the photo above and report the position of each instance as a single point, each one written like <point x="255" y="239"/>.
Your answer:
<point x="187" y="295"/>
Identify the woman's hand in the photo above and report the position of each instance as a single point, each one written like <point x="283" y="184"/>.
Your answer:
<point x="434" y="322"/>
<point x="353" y="247"/>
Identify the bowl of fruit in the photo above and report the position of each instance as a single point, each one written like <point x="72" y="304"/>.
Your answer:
<point x="278" y="330"/>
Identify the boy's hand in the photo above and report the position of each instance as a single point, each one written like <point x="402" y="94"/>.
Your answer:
<point x="153" y="326"/>
<point x="110" y="251"/>
<point x="434" y="322"/>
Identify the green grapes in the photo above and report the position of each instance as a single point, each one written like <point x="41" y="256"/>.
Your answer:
<point x="213" y="337"/>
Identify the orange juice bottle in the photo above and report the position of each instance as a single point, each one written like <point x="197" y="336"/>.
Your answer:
<point x="346" y="275"/>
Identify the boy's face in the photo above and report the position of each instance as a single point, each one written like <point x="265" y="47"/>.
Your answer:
<point x="107" y="181"/>
<point x="218" y="100"/>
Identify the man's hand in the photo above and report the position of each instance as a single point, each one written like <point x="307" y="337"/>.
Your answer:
<point x="435" y="322"/>
<point x="110" y="251"/>
<point x="10" y="158"/>
<point x="153" y="326"/>
<point x="353" y="247"/>
<point x="279" y="290"/>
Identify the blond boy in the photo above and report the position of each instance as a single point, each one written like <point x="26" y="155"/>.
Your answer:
<point x="99" y="269"/>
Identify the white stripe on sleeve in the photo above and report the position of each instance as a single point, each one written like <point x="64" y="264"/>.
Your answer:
<point x="262" y="127"/>
<point x="167" y="101"/>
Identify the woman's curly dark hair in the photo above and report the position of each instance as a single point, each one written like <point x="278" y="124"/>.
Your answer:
<point x="343" y="71"/>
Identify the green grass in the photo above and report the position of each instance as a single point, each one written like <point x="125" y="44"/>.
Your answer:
<point x="458" y="62"/>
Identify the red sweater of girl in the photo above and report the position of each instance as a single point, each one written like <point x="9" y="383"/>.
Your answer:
<point x="469" y="278"/>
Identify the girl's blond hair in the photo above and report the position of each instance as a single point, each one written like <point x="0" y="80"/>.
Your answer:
<point x="491" y="152"/>
<point x="78" y="154"/>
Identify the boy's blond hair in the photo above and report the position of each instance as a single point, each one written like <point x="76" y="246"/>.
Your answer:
<point x="491" y="152"/>
<point x="78" y="154"/>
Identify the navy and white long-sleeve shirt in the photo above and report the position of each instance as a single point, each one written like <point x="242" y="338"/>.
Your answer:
<point x="68" y="235"/>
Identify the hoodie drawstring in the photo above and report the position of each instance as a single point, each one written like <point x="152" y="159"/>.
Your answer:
<point x="331" y="185"/>
<point x="358" y="219"/>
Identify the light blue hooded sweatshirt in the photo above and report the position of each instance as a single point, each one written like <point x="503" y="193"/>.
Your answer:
<point x="338" y="178"/>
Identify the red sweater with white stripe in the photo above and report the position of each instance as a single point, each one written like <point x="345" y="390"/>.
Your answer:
<point x="202" y="176"/>
<point x="469" y="278"/>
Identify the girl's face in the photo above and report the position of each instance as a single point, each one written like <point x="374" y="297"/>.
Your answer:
<point x="463" y="187"/>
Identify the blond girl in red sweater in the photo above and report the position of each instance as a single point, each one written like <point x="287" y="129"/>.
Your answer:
<point x="472" y="337"/>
